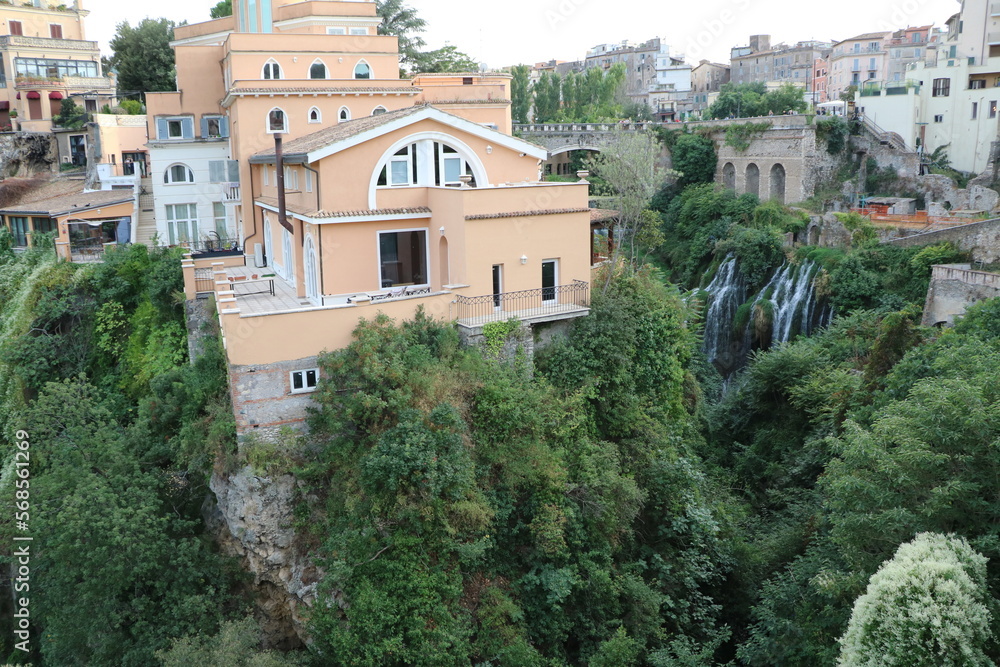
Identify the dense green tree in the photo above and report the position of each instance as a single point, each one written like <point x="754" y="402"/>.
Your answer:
<point x="71" y="115"/>
<point x="221" y="9"/>
<point x="547" y="95"/>
<point x="142" y="57"/>
<point x="747" y="100"/>
<point x="401" y="20"/>
<point x="520" y="93"/>
<point x="237" y="644"/>
<point x="695" y="158"/>
<point x="445" y="59"/>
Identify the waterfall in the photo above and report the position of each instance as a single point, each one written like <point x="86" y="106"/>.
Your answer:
<point x="789" y="298"/>
<point x="727" y="291"/>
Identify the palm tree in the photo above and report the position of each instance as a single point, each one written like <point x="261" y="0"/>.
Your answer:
<point x="403" y="22"/>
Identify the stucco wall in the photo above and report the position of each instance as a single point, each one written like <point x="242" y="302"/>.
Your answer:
<point x="982" y="239"/>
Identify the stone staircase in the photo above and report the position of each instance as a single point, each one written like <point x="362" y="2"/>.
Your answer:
<point x="146" y="223"/>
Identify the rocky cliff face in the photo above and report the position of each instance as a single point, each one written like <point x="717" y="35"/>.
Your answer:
<point x="24" y="154"/>
<point x="252" y="520"/>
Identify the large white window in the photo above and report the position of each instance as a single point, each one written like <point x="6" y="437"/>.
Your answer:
<point x="182" y="223"/>
<point x="286" y="251"/>
<point x="403" y="257"/>
<point x="219" y="215"/>
<point x="178" y="173"/>
<point x="405" y="168"/>
<point x="271" y="70"/>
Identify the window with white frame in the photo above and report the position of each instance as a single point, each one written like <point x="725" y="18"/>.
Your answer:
<point x="178" y="173"/>
<point x="181" y="127"/>
<point x="334" y="30"/>
<point x="309" y="181"/>
<point x="265" y="176"/>
<point x="344" y="114"/>
<point x="317" y="70"/>
<point x="403" y="168"/>
<point x="271" y="70"/>
<point x="315" y="115"/>
<point x="379" y="110"/>
<point x="403" y="257"/>
<point x="219" y="216"/>
<point x="291" y="178"/>
<point x="214" y="127"/>
<point x="277" y="121"/>
<point x="286" y="251"/>
<point x="362" y="70"/>
<point x="359" y="31"/>
<point x="182" y="223"/>
<point x="304" y="380"/>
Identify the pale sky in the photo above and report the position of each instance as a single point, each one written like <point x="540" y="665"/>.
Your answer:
<point x="509" y="32"/>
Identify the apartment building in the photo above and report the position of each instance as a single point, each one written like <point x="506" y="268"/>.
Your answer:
<point x="760" y="62"/>
<point x="350" y="192"/>
<point x="707" y="78"/>
<point x="653" y="74"/>
<point x="951" y="99"/>
<point x="44" y="59"/>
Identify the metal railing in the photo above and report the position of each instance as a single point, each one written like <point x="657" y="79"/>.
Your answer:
<point x="204" y="281"/>
<point x="524" y="304"/>
<point x="88" y="250"/>
<point x="883" y="136"/>
<point x="967" y="276"/>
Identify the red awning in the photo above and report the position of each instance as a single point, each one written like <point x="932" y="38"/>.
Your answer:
<point x="34" y="95"/>
<point x="19" y="96"/>
<point x="55" y="95"/>
<point x="4" y="105"/>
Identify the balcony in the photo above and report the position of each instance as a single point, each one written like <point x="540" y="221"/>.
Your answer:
<point x="47" y="43"/>
<point x="545" y="304"/>
<point x="231" y="193"/>
<point x="98" y="83"/>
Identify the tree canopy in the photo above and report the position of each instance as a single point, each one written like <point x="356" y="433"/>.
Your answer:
<point x="446" y="59"/>
<point x="223" y="8"/>
<point x="142" y="57"/>
<point x="402" y="21"/>
<point x="748" y="100"/>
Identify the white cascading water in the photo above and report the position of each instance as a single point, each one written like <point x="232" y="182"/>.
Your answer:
<point x="794" y="303"/>
<point x="728" y="291"/>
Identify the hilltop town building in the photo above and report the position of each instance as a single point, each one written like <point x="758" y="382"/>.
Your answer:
<point x="45" y="59"/>
<point x="349" y="192"/>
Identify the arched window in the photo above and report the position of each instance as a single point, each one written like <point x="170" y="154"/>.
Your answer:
<point x="178" y="173"/>
<point x="345" y="113"/>
<point x="277" y="121"/>
<point x="271" y="70"/>
<point x="317" y="70"/>
<point x="379" y="110"/>
<point x="362" y="71"/>
<point x="315" y="115"/>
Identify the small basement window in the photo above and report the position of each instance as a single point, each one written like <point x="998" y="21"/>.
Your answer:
<point x="304" y="381"/>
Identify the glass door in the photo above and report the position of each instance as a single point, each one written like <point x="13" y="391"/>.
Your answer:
<point x="549" y="279"/>
<point x="497" y="285"/>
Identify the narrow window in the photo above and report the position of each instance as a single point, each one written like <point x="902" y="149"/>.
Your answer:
<point x="55" y="31"/>
<point x="15" y="27"/>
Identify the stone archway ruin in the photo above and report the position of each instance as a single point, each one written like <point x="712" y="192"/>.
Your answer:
<point x="778" y="183"/>
<point x="753" y="180"/>
<point x="729" y="176"/>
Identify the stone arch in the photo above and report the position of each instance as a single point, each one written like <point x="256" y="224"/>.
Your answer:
<point x="753" y="179"/>
<point x="729" y="175"/>
<point x="778" y="183"/>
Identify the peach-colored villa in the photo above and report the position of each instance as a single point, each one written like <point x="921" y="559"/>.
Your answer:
<point x="349" y="192"/>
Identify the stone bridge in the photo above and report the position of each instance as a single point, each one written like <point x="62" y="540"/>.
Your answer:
<point x="565" y="137"/>
<point x="783" y="161"/>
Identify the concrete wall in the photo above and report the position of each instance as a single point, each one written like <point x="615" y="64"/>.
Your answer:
<point x="982" y="239"/>
<point x="955" y="287"/>
<point x="262" y="396"/>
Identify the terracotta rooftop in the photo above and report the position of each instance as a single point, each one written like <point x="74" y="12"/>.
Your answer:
<point x="526" y="214"/>
<point x="298" y="210"/>
<point x="867" y="35"/>
<point x="61" y="196"/>
<point x="335" y="133"/>
<point x="603" y="214"/>
<point x="314" y="90"/>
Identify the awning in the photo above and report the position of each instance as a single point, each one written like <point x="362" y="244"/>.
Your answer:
<point x="18" y="96"/>
<point x="4" y="105"/>
<point x="34" y="95"/>
<point x="55" y="95"/>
